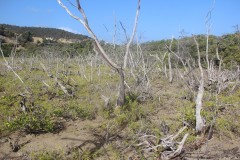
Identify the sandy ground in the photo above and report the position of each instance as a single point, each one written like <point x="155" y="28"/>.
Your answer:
<point x="74" y="134"/>
<point x="79" y="132"/>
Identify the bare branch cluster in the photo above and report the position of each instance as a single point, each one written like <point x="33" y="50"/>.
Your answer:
<point x="170" y="148"/>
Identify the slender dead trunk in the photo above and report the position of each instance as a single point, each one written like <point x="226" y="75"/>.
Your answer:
<point x="121" y="95"/>
<point x="207" y="59"/>
<point x="132" y="36"/>
<point x="199" y="121"/>
<point x="170" y="68"/>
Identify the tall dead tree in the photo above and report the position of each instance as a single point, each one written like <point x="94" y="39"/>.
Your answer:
<point x="100" y="49"/>
<point x="199" y="121"/>
<point x="208" y="28"/>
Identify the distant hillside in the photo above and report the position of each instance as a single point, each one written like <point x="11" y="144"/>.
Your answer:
<point x="44" y="32"/>
<point x="35" y="40"/>
<point x="228" y="46"/>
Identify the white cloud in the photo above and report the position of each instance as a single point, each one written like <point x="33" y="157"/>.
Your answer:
<point x="69" y="29"/>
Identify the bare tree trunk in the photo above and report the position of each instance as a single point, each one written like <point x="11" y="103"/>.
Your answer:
<point x="99" y="48"/>
<point x="165" y="70"/>
<point x="170" y="68"/>
<point x="121" y="94"/>
<point x="199" y="121"/>
<point x="207" y="59"/>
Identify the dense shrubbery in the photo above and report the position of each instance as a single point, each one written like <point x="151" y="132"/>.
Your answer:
<point x="25" y="37"/>
<point x="7" y="49"/>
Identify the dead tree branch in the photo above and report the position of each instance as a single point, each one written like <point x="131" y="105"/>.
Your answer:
<point x="132" y="36"/>
<point x="84" y="22"/>
<point x="150" y="143"/>
<point x="56" y="80"/>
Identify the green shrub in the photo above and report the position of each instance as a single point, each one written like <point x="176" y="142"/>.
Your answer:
<point x="107" y="111"/>
<point x="7" y="49"/>
<point x="135" y="126"/>
<point x="46" y="155"/>
<point x="37" y="121"/>
<point x="188" y="114"/>
<point x="58" y="112"/>
<point x="121" y="120"/>
<point x="223" y="126"/>
<point x="85" y="112"/>
<point x="72" y="110"/>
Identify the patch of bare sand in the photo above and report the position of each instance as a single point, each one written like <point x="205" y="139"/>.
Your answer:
<point x="216" y="149"/>
<point x="76" y="133"/>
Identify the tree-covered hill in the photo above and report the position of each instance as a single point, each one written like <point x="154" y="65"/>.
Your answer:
<point x="43" y="32"/>
<point x="33" y="40"/>
<point x="227" y="46"/>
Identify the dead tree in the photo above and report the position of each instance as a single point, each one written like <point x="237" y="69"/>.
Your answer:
<point x="100" y="49"/>
<point x="199" y="121"/>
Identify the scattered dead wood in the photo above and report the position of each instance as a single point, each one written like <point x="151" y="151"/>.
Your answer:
<point x="168" y="143"/>
<point x="63" y="88"/>
<point x="170" y="149"/>
<point x="178" y="151"/>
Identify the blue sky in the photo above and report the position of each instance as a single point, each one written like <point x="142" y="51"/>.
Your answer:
<point x="158" y="19"/>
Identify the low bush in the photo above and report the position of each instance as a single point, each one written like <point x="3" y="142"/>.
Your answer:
<point x="37" y="121"/>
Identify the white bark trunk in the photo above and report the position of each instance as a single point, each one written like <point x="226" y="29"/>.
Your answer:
<point x="199" y="121"/>
<point x="170" y="68"/>
<point x="133" y="34"/>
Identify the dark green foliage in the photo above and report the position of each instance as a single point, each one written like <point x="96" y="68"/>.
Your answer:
<point x="83" y="48"/>
<point x="5" y="32"/>
<point x="25" y="37"/>
<point x="44" y="32"/>
<point x="230" y="48"/>
<point x="2" y="30"/>
<point x="80" y="44"/>
<point x="74" y="111"/>
<point x="7" y="49"/>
